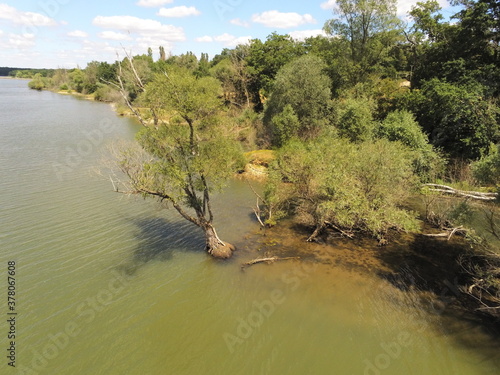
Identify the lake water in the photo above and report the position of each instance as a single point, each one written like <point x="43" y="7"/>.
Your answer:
<point x="113" y="285"/>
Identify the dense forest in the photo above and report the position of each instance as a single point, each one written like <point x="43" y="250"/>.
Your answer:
<point x="358" y="121"/>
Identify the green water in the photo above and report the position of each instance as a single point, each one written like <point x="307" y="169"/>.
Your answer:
<point x="112" y="285"/>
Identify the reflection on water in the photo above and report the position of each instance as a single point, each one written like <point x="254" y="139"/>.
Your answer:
<point x="113" y="285"/>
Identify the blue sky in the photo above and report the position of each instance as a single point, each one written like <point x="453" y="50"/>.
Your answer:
<point x="70" y="33"/>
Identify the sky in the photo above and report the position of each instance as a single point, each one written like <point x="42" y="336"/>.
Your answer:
<point x="71" y="33"/>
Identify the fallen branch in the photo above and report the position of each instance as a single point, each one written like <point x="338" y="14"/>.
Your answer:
<point x="342" y="232"/>
<point x="463" y="193"/>
<point x="449" y="232"/>
<point x="267" y="260"/>
<point x="321" y="226"/>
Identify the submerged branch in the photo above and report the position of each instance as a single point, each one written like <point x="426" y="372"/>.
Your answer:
<point x="267" y="260"/>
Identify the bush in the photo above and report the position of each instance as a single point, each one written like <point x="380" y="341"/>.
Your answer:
<point x="106" y="94"/>
<point x="38" y="83"/>
<point x="353" y="187"/>
<point x="487" y="169"/>
<point x="355" y="119"/>
<point x="401" y="126"/>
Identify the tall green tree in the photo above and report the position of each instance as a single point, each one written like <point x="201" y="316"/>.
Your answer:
<point x="459" y="119"/>
<point x="461" y="52"/>
<point x="265" y="59"/>
<point x="303" y="86"/>
<point x="182" y="161"/>
<point x="370" y="27"/>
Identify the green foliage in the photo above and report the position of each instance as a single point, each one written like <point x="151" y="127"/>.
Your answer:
<point x="105" y="93"/>
<point x="302" y="85"/>
<point x="193" y="152"/>
<point x="460" y="52"/>
<point x="487" y="169"/>
<point x="38" y="82"/>
<point x="77" y="79"/>
<point x="458" y="118"/>
<point x="285" y="125"/>
<point x="265" y="59"/>
<point x="370" y="27"/>
<point x="180" y="91"/>
<point x="401" y="126"/>
<point x="355" y="118"/>
<point x="354" y="187"/>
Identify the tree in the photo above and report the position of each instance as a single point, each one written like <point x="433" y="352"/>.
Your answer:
<point x="265" y="59"/>
<point x="38" y="82"/>
<point x="231" y="69"/>
<point x="302" y="85"/>
<point x="369" y="27"/>
<point x="184" y="159"/>
<point x="163" y="55"/>
<point x="77" y="80"/>
<point x="462" y="52"/>
<point x="457" y="118"/>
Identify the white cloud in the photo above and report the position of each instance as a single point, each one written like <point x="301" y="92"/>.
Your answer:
<point x="146" y="28"/>
<point x="153" y="3"/>
<point x="203" y="39"/>
<point x="231" y="40"/>
<point x="143" y="43"/>
<point x="273" y="18"/>
<point x="404" y="6"/>
<point x="178" y="12"/>
<point x="240" y="40"/>
<point x="304" y="34"/>
<point x="21" y="40"/>
<point x="224" y="38"/>
<point x="328" y="5"/>
<point x="239" y="22"/>
<point x="113" y="35"/>
<point x="25" y="18"/>
<point x="78" y="34"/>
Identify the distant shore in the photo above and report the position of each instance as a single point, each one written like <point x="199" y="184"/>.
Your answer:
<point x="7" y="77"/>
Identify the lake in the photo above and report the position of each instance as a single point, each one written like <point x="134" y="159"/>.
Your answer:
<point x="109" y="284"/>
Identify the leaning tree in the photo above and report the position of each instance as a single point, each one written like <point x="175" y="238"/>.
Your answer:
<point x="185" y="152"/>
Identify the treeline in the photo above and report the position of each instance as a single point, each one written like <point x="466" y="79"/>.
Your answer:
<point x="24" y="72"/>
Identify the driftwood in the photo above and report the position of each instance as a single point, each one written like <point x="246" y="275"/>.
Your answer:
<point x="463" y="193"/>
<point x="267" y="260"/>
<point x="449" y="232"/>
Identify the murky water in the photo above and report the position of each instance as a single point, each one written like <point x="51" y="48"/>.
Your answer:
<point x="111" y="285"/>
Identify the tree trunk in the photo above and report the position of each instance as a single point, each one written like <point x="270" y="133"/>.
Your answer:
<point x="214" y="245"/>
